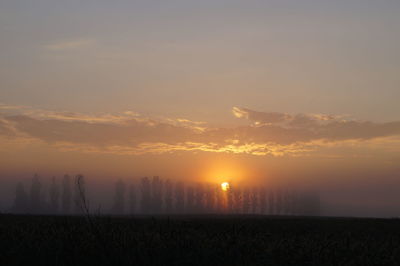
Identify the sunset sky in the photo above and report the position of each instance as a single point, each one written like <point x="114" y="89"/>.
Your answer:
<point x="302" y="93"/>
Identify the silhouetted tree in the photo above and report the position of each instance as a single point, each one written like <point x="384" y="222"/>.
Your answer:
<point x="210" y="198"/>
<point x="271" y="202"/>
<point x="156" y="194"/>
<point x="54" y="196"/>
<point x="246" y="200"/>
<point x="237" y="200"/>
<point x="310" y="203"/>
<point x="190" y="200"/>
<point x="288" y="199"/>
<point x="35" y="195"/>
<point x="219" y="206"/>
<point x="278" y="201"/>
<point x="254" y="200"/>
<point x="179" y="197"/>
<point x="132" y="199"/>
<point x="284" y="201"/>
<point x="296" y="203"/>
<point x="262" y="196"/>
<point x="21" y="199"/>
<point x="145" y="196"/>
<point x="168" y="196"/>
<point x="229" y="200"/>
<point x="199" y="198"/>
<point x="317" y="203"/>
<point x="66" y="195"/>
<point x="119" y="198"/>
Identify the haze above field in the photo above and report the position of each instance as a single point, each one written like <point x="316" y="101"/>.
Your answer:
<point x="296" y="93"/>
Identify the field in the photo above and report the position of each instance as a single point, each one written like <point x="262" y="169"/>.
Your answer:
<point x="198" y="240"/>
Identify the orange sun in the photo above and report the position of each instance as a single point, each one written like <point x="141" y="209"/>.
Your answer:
<point x="225" y="186"/>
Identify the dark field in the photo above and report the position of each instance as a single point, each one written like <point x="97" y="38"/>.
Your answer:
<point x="198" y="240"/>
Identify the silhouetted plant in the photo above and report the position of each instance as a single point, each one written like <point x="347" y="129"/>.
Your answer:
<point x="80" y="195"/>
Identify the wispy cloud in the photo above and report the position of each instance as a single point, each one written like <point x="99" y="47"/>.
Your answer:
<point x="283" y="119"/>
<point x="285" y="128"/>
<point x="129" y="133"/>
<point x="162" y="147"/>
<point x="260" y="117"/>
<point x="6" y="107"/>
<point x="66" y="45"/>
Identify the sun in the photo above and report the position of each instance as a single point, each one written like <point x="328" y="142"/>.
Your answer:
<point x="225" y="186"/>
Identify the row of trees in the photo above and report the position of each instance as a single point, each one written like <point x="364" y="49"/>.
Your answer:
<point x="158" y="196"/>
<point x="69" y="198"/>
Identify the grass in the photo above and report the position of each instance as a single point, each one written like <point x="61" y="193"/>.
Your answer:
<point x="198" y="240"/>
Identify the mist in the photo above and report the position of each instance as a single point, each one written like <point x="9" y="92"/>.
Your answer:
<point x="347" y="191"/>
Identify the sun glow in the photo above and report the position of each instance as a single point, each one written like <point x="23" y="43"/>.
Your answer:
<point x="225" y="186"/>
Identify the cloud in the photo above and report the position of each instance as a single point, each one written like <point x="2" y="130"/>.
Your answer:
<point x="276" y="118"/>
<point x="129" y="133"/>
<point x="5" y="128"/>
<point x="6" y="107"/>
<point x="100" y="132"/>
<point x="284" y="128"/>
<point x="162" y="147"/>
<point x="67" y="45"/>
<point x="260" y="117"/>
<point x="8" y="129"/>
<point x="77" y="117"/>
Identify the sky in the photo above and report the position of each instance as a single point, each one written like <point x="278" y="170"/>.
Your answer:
<point x="302" y="93"/>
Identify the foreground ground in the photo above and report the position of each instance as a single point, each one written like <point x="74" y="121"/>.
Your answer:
<point x="198" y="240"/>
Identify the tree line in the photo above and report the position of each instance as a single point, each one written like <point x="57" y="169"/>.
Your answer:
<point x="157" y="196"/>
<point x="66" y="198"/>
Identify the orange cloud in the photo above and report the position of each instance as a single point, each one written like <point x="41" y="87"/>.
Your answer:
<point x="128" y="133"/>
